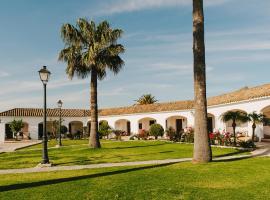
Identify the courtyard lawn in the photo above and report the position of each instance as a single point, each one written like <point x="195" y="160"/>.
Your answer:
<point x="217" y="180"/>
<point x="78" y="153"/>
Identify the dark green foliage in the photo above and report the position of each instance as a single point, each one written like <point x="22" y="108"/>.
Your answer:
<point x="247" y="144"/>
<point x="156" y="130"/>
<point x="173" y="135"/>
<point x="104" y="129"/>
<point x="16" y="126"/>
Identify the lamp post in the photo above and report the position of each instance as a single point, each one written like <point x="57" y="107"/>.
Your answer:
<point x="60" y="104"/>
<point x="44" y="75"/>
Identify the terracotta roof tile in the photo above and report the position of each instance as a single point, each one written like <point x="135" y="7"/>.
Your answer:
<point x="236" y="96"/>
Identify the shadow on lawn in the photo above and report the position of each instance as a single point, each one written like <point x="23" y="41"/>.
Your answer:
<point x="76" y="178"/>
<point x="131" y="147"/>
<point x="230" y="154"/>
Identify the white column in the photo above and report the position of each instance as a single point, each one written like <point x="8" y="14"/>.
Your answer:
<point x="134" y="127"/>
<point x="2" y="132"/>
<point x="249" y="129"/>
<point x="259" y="131"/>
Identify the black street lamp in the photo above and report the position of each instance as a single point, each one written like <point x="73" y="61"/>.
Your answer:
<point x="44" y="75"/>
<point x="60" y="104"/>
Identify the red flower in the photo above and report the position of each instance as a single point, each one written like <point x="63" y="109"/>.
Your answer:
<point x="211" y="136"/>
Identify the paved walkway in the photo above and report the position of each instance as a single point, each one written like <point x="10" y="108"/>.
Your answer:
<point x="15" y="145"/>
<point x="106" y="165"/>
<point x="263" y="150"/>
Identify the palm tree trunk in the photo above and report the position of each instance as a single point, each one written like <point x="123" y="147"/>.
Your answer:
<point x="253" y="131"/>
<point x="234" y="133"/>
<point x="202" y="148"/>
<point x="94" y="138"/>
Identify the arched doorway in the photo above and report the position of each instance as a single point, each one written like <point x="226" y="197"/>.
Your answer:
<point x="76" y="128"/>
<point x="145" y="123"/>
<point x="178" y="123"/>
<point x="210" y="122"/>
<point x="8" y="132"/>
<point x="266" y="126"/>
<point x="123" y="125"/>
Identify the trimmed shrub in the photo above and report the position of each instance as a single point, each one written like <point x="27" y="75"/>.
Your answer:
<point x="247" y="144"/>
<point x="156" y="130"/>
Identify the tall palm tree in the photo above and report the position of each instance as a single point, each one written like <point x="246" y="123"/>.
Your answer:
<point x="255" y="118"/>
<point x="202" y="148"/>
<point x="234" y="116"/>
<point x="146" y="99"/>
<point x="91" y="50"/>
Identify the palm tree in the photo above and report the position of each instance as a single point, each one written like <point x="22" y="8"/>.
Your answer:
<point x="202" y="148"/>
<point x="146" y="99"/>
<point x="91" y="50"/>
<point x="234" y="116"/>
<point x="255" y="118"/>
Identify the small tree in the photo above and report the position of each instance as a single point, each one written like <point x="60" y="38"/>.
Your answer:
<point x="16" y="126"/>
<point x="234" y="116"/>
<point x="104" y="129"/>
<point x="255" y="118"/>
<point x="156" y="130"/>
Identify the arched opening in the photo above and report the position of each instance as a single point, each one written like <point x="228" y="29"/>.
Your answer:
<point x="266" y="126"/>
<point x="76" y="128"/>
<point x="51" y="128"/>
<point x="178" y="123"/>
<point x="8" y="132"/>
<point x="210" y="122"/>
<point x="88" y="128"/>
<point x="145" y="123"/>
<point x="25" y="130"/>
<point x="23" y="133"/>
<point x="123" y="125"/>
<point x="241" y="127"/>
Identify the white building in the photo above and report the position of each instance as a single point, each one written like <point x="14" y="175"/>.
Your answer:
<point x="131" y="119"/>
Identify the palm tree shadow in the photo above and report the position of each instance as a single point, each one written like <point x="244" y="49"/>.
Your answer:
<point x="131" y="147"/>
<point x="230" y="154"/>
<point x="233" y="159"/>
<point x="76" y="178"/>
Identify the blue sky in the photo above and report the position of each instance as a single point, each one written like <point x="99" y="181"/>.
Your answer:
<point x="158" y="41"/>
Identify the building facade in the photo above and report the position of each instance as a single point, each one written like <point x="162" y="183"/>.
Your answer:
<point x="178" y="115"/>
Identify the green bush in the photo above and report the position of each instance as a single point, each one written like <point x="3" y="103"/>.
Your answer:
<point x="247" y="144"/>
<point x="156" y="130"/>
<point x="104" y="129"/>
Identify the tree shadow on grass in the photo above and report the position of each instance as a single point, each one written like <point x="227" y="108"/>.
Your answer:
<point x="75" y="178"/>
<point x="234" y="159"/>
<point x="230" y="154"/>
<point x="138" y="146"/>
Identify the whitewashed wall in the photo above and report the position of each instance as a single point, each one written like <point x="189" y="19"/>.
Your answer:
<point x="248" y="106"/>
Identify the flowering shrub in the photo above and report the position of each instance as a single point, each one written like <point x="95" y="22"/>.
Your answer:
<point x="173" y="135"/>
<point x="188" y="135"/>
<point x="143" y="134"/>
<point x="218" y="138"/>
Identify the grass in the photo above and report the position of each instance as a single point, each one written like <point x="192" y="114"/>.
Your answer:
<point x="76" y="152"/>
<point x="218" y="180"/>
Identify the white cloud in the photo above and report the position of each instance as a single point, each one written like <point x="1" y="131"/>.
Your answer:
<point x="121" y="6"/>
<point x="3" y="74"/>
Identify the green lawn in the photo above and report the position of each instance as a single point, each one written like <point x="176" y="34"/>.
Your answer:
<point x="77" y="153"/>
<point x="241" y="179"/>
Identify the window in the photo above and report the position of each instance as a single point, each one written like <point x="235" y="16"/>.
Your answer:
<point x="140" y="125"/>
<point x="152" y="122"/>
